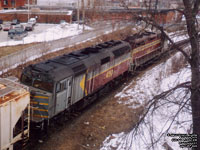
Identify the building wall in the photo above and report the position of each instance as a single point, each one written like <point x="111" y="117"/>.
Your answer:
<point x="42" y="17"/>
<point x="8" y="4"/>
<point x="114" y="16"/>
<point x="106" y="3"/>
<point x="167" y="17"/>
<point x="163" y="17"/>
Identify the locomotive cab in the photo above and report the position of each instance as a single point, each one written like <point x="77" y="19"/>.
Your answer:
<point x="50" y="89"/>
<point x="41" y="90"/>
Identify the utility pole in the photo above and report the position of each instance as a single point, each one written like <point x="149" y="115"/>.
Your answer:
<point x="83" y="15"/>
<point x="78" y="14"/>
<point x="88" y="4"/>
<point x="28" y="9"/>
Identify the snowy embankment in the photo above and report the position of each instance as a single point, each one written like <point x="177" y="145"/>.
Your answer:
<point x="50" y="34"/>
<point x="163" y="118"/>
<point x="178" y="36"/>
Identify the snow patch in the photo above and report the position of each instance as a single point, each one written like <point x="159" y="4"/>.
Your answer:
<point x="138" y="93"/>
<point x="53" y="33"/>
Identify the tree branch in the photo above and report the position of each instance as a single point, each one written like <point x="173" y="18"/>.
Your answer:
<point x="154" y="24"/>
<point x="196" y="7"/>
<point x="155" y="99"/>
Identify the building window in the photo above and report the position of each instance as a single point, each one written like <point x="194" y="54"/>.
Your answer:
<point x="13" y="3"/>
<point x="5" y="2"/>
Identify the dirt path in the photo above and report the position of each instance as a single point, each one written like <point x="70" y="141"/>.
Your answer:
<point x="89" y="130"/>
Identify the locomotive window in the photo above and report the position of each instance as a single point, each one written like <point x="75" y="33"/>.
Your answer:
<point x="58" y="87"/>
<point x="153" y="38"/>
<point x="117" y="53"/>
<point x="105" y="60"/>
<point x="46" y="86"/>
<point x="61" y="86"/>
<point x="121" y="51"/>
<point x="26" y="80"/>
<point x="70" y="83"/>
<point x="140" y="44"/>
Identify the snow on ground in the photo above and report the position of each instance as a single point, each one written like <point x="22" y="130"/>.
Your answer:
<point x="50" y="34"/>
<point x="12" y="10"/>
<point x="178" y="36"/>
<point x="138" y="93"/>
<point x="68" y="12"/>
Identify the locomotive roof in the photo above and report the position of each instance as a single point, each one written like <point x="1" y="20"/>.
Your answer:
<point x="139" y="37"/>
<point x="53" y="69"/>
<point x="77" y="62"/>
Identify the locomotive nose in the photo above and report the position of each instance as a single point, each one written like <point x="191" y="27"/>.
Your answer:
<point x="39" y="106"/>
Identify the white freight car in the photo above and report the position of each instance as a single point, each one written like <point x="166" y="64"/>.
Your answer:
<point x="14" y="100"/>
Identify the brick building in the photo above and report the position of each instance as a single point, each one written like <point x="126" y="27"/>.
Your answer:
<point x="10" y="4"/>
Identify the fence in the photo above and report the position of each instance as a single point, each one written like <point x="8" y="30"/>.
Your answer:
<point x="31" y="53"/>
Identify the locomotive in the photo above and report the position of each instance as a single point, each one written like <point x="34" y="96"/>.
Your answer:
<point x="58" y="84"/>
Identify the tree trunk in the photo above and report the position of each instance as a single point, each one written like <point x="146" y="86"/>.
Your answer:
<point x="194" y="62"/>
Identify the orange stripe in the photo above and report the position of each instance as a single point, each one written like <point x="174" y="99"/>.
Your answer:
<point x="34" y="102"/>
<point x="40" y="109"/>
<point x="40" y="116"/>
<point x="42" y="97"/>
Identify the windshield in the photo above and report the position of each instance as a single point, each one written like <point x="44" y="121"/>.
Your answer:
<point x="11" y="32"/>
<point x="19" y="32"/>
<point x="26" y="80"/>
<point x="46" y="86"/>
<point x="43" y="85"/>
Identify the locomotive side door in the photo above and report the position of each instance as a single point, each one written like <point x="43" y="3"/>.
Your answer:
<point x="63" y="94"/>
<point x="69" y="92"/>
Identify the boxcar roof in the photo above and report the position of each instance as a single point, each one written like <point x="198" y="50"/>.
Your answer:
<point x="10" y="90"/>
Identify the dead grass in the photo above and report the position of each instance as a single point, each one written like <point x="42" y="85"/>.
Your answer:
<point x="7" y="50"/>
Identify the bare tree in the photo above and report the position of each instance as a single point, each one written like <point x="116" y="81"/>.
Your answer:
<point x="190" y="10"/>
